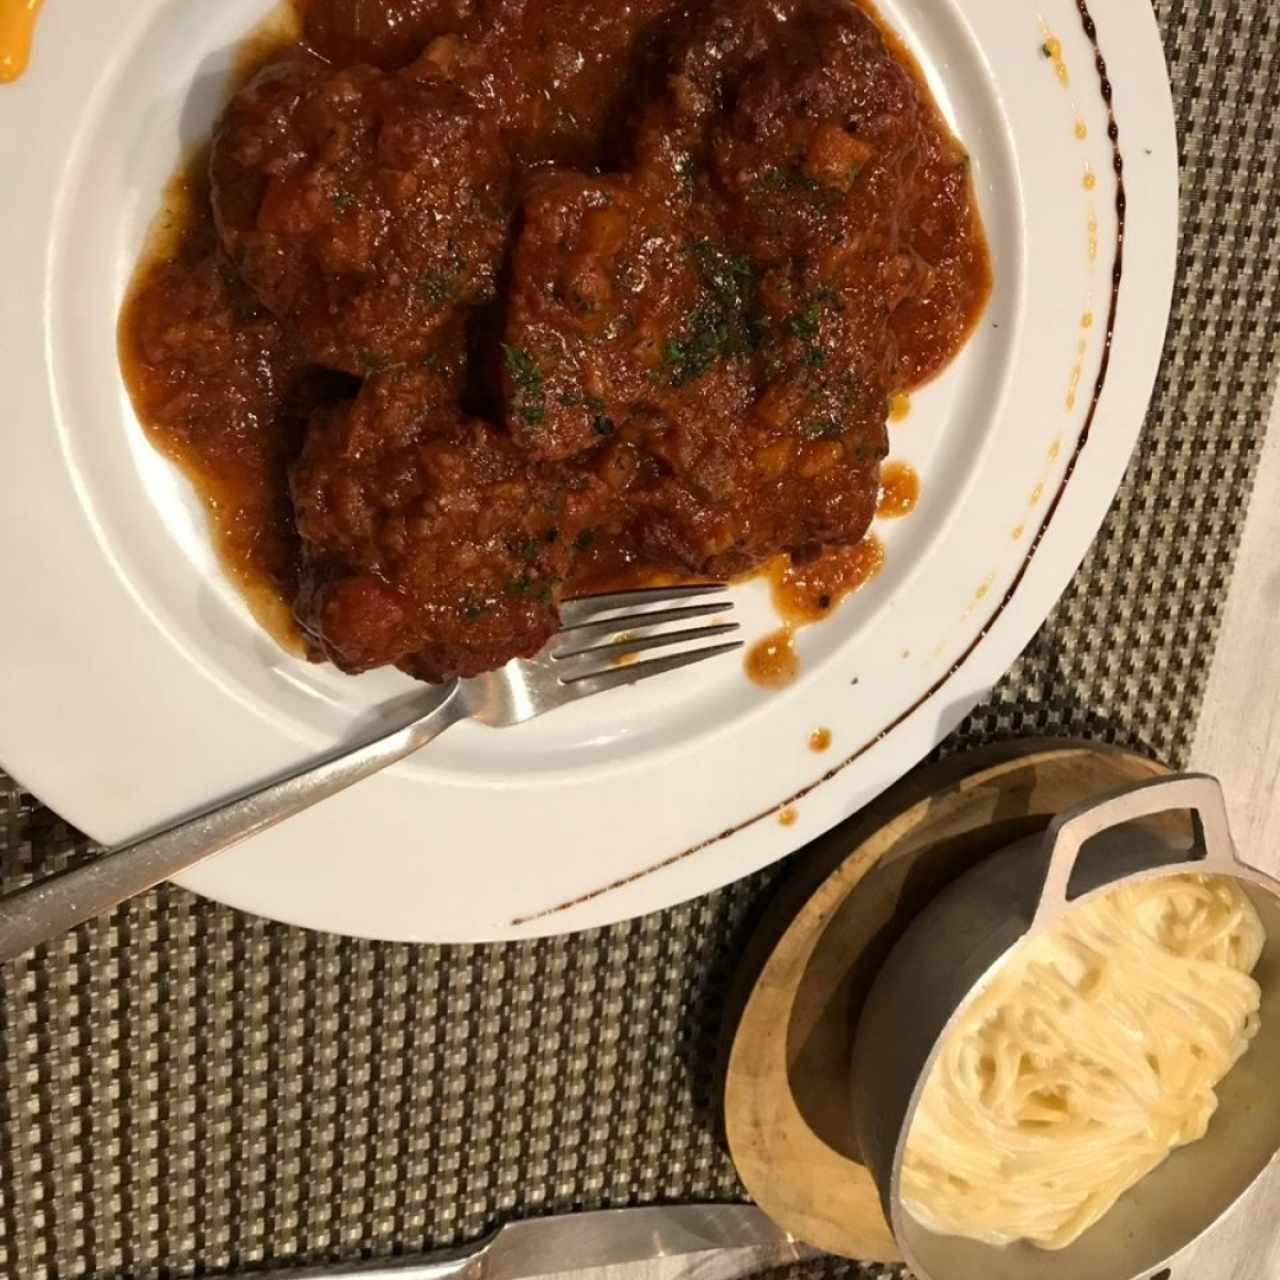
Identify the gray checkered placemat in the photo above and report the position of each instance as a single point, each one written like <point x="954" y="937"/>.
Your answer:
<point x="186" y="1089"/>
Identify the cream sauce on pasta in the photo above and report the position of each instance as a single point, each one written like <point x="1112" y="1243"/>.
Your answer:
<point x="1092" y="1054"/>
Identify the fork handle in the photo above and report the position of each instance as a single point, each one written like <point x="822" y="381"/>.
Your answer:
<point x="38" y="912"/>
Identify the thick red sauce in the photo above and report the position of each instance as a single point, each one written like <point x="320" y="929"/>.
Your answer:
<point x="637" y="323"/>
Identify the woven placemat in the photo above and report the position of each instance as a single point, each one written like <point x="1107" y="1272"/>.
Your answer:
<point x="186" y="1089"/>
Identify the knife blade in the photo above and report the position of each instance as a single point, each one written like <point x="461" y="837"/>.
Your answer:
<point x="709" y="1242"/>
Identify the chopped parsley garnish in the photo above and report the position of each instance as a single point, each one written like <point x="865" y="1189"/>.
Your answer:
<point x="439" y="289"/>
<point x="342" y="200"/>
<point x="722" y="324"/>
<point x="473" y="609"/>
<point x="371" y="362"/>
<point x="805" y="325"/>
<point x="779" y="181"/>
<point x="687" y="169"/>
<point x="526" y="588"/>
<point x="823" y="428"/>
<point x="529" y="400"/>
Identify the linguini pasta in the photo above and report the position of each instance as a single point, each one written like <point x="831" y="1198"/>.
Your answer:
<point x="1093" y="1053"/>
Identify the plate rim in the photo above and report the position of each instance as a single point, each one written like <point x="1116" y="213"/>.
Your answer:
<point x="1002" y="637"/>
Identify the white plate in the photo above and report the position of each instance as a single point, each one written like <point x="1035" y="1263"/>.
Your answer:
<point x="135" y="686"/>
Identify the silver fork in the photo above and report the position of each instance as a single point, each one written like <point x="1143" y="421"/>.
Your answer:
<point x="589" y="654"/>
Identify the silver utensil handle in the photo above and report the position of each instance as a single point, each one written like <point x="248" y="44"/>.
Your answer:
<point x="447" y="1264"/>
<point x="1069" y="832"/>
<point x="40" y="911"/>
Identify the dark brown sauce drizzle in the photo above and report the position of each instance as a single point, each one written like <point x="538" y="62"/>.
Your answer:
<point x="1113" y="133"/>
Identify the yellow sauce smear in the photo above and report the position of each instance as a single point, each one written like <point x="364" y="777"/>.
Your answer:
<point x="1090" y="179"/>
<point x="1052" y="49"/>
<point x="1082" y="130"/>
<point x="17" y="27"/>
<point x="787" y="816"/>
<point x="1093" y="235"/>
<point x="819" y="740"/>
<point x="899" y="490"/>
<point x="899" y="406"/>
<point x="803" y="594"/>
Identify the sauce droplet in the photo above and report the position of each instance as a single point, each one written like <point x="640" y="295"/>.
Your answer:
<point x="1082" y="130"/>
<point x="1093" y="236"/>
<point x="1090" y="179"/>
<point x="1037" y="493"/>
<point x="1018" y="530"/>
<point x="1086" y="320"/>
<point x="624" y="659"/>
<point x="899" y="490"/>
<point x="1052" y="49"/>
<point x="819" y="739"/>
<point x="899" y="406"/>
<point x="772" y="661"/>
<point x="787" y="816"/>
<point x="17" y="26"/>
<point x="1073" y="386"/>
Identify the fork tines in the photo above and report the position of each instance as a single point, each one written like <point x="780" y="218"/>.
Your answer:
<point x="600" y="635"/>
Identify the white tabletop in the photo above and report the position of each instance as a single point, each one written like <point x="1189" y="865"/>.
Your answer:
<point x="1238" y="738"/>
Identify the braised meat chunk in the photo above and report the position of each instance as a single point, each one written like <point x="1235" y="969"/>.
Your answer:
<point x="364" y="208"/>
<point x="428" y="539"/>
<point x="619" y="303"/>
<point x="493" y="300"/>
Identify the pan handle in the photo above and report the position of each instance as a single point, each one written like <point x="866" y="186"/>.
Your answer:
<point x="1214" y="850"/>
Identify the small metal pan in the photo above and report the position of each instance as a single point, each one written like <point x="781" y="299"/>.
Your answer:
<point x="953" y="949"/>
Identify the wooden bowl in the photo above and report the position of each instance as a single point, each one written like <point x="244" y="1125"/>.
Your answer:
<point x="809" y="965"/>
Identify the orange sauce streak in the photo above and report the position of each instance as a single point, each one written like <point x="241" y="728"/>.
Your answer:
<point x="803" y="594"/>
<point x="899" y="406"/>
<point x="819" y="739"/>
<point x="1052" y="49"/>
<point x="808" y="592"/>
<point x="17" y="28"/>
<point x="899" y="490"/>
<point x="787" y="816"/>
